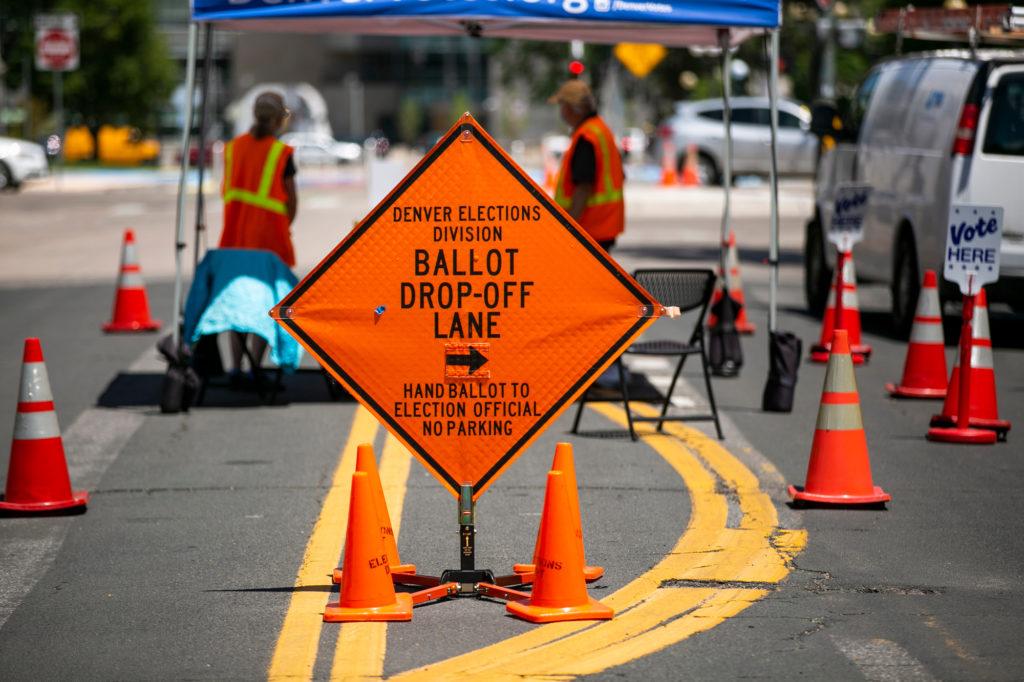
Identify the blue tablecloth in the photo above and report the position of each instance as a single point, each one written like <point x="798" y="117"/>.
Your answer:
<point x="233" y="290"/>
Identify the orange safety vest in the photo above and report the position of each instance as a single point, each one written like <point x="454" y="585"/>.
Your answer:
<point x="604" y="217"/>
<point x="255" y="212"/>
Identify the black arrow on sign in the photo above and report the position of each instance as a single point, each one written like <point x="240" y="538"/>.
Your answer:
<point x="475" y="360"/>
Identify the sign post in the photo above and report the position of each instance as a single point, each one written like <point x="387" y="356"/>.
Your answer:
<point x="466" y="312"/>
<point x="973" y="239"/>
<point x="57" y="51"/>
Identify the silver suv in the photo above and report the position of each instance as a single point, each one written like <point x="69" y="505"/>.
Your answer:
<point x="700" y="122"/>
<point x="924" y="131"/>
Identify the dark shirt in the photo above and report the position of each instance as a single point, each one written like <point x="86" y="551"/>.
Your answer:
<point x="289" y="168"/>
<point x="583" y="164"/>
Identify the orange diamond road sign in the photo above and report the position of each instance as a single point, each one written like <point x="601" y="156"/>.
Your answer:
<point x="640" y="58"/>
<point x="467" y="310"/>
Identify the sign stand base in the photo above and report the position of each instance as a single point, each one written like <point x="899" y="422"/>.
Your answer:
<point x="467" y="580"/>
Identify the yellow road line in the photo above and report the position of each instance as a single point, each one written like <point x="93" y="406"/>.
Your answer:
<point x="296" y="650"/>
<point x="359" y="651"/>
<point x="757" y="551"/>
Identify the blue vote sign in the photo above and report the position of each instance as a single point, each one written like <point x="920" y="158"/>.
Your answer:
<point x="973" y="237"/>
<point x="848" y="210"/>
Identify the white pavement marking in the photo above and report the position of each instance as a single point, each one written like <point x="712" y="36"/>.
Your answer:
<point x="92" y="442"/>
<point x="882" y="660"/>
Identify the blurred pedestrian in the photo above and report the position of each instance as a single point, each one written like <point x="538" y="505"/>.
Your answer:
<point x="590" y="181"/>
<point x="260" y="201"/>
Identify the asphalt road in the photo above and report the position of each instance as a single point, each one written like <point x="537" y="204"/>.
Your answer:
<point x="185" y="565"/>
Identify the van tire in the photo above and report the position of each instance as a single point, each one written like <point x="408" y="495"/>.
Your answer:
<point x="817" y="273"/>
<point x="7" y="179"/>
<point x="906" y="283"/>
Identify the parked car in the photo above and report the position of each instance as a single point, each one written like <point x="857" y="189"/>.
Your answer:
<point x="924" y="131"/>
<point x="314" y="149"/>
<point x="20" y="160"/>
<point x="700" y="123"/>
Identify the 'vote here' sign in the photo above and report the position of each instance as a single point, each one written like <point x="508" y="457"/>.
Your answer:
<point x="848" y="210"/>
<point x="973" y="237"/>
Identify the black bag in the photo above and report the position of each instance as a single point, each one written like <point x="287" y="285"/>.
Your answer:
<point x="784" y="359"/>
<point x="181" y="383"/>
<point x="725" y="354"/>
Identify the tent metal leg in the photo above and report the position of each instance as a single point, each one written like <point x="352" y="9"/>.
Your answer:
<point x="186" y="133"/>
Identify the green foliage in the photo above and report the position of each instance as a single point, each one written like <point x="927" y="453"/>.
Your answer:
<point x="125" y="73"/>
<point x="460" y="104"/>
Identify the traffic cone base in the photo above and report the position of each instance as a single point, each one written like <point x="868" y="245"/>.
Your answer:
<point x="401" y="610"/>
<point x="590" y="573"/>
<point x="998" y="426"/>
<point x="897" y="391"/>
<point x="953" y="434"/>
<point x="395" y="570"/>
<point x="876" y="496"/>
<point x="592" y="610"/>
<point x="859" y="353"/>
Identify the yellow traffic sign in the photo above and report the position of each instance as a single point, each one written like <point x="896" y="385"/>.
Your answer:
<point x="640" y="58"/>
<point x="467" y="310"/>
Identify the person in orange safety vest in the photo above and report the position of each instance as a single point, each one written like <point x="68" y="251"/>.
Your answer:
<point x="260" y="201"/>
<point x="589" y="185"/>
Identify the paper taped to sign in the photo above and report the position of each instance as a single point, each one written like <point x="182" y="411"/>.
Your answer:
<point x="973" y="238"/>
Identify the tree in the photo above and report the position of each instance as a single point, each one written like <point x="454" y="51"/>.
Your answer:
<point x="125" y="73"/>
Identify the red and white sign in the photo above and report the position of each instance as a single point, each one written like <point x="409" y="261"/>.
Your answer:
<point x="56" y="42"/>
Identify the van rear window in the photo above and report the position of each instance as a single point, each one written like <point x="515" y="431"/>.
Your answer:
<point x="1005" y="134"/>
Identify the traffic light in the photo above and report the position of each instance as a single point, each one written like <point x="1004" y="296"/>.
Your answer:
<point x="576" y="68"/>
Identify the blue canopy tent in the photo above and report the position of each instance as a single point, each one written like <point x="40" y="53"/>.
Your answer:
<point x="708" y="23"/>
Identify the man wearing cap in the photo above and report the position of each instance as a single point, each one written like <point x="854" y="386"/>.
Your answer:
<point x="260" y="201"/>
<point x="590" y="180"/>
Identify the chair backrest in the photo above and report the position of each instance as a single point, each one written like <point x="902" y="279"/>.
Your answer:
<point x="687" y="288"/>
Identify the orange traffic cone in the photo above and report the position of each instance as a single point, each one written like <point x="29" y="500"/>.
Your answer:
<point x="564" y="462"/>
<point x="984" y="410"/>
<point x="690" y="177"/>
<point x="849" y="315"/>
<point x="734" y="283"/>
<point x="367" y="592"/>
<point x="839" y="471"/>
<point x="366" y="462"/>
<point x="37" y="478"/>
<point x="669" y="177"/>
<point x="559" y="589"/>
<point x="924" y="371"/>
<point x="131" y="304"/>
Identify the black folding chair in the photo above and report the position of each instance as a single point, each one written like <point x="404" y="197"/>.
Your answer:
<point x="689" y="289"/>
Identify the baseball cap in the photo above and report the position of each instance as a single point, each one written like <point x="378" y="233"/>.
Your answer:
<point x="575" y="93"/>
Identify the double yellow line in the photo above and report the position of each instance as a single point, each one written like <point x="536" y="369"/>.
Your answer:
<point x="714" y="572"/>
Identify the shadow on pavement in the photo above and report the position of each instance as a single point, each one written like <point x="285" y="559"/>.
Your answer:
<point x="143" y="390"/>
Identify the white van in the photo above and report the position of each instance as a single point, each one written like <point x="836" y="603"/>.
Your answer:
<point x="925" y="131"/>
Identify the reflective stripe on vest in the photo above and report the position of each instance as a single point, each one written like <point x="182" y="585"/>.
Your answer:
<point x="610" y="195"/>
<point x="260" y="198"/>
